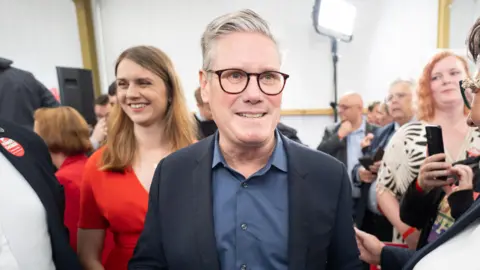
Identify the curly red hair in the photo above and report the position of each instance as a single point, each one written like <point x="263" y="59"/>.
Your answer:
<point x="426" y="106"/>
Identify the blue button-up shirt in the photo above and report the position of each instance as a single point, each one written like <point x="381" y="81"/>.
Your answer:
<point x="354" y="152"/>
<point x="251" y="215"/>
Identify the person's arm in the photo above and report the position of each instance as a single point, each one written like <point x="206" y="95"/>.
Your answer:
<point x="462" y="197"/>
<point x="92" y="224"/>
<point x="331" y="142"/>
<point x="356" y="175"/>
<point x="395" y="172"/>
<point x="417" y="207"/>
<point x="343" y="252"/>
<point x="148" y="254"/>
<point x="460" y="201"/>
<point x="47" y="99"/>
<point x="391" y="209"/>
<point x="394" y="258"/>
<point x="90" y="246"/>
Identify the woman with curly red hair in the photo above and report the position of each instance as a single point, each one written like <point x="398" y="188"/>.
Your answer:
<point x="404" y="166"/>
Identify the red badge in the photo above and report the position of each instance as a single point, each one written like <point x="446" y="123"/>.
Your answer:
<point x="12" y="147"/>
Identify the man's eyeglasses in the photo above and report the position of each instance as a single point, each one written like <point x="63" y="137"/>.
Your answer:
<point x="235" y="81"/>
<point x="469" y="88"/>
<point x="398" y="96"/>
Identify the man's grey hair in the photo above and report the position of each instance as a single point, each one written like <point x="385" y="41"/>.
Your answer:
<point x="409" y="82"/>
<point x="244" y="20"/>
<point x="412" y="84"/>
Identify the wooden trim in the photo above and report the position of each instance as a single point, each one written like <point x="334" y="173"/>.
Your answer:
<point x="87" y="40"/>
<point x="297" y="112"/>
<point x="443" y="27"/>
<point x="311" y="112"/>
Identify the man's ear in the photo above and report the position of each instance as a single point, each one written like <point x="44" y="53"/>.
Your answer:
<point x="204" y="87"/>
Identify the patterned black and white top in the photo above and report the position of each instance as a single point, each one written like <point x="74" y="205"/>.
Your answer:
<point x="404" y="155"/>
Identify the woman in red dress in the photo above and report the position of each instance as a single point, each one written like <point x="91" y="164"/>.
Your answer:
<point x="66" y="134"/>
<point x="150" y="121"/>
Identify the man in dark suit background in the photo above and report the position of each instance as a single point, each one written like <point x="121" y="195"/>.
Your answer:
<point x="206" y="125"/>
<point x="21" y="94"/>
<point x="248" y="197"/>
<point x="401" y="108"/>
<point x="343" y="140"/>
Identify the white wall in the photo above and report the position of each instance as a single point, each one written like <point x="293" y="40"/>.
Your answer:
<point x="392" y="39"/>
<point x="463" y="13"/>
<point x="39" y="35"/>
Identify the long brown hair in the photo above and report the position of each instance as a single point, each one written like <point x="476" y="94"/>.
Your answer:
<point x="426" y="105"/>
<point x="179" y="130"/>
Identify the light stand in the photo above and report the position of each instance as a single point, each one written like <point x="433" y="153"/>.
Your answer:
<point x="334" y="48"/>
<point x="334" y="19"/>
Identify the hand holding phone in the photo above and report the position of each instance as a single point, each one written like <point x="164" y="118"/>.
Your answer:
<point x="366" y="162"/>
<point x="378" y="154"/>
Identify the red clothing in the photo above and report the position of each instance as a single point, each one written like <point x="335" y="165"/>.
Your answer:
<point x="116" y="201"/>
<point x="70" y="176"/>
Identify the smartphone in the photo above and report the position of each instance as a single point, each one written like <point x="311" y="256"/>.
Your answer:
<point x="435" y="142"/>
<point x="366" y="162"/>
<point x="378" y="155"/>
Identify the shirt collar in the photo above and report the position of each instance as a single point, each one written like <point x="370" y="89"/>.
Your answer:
<point x="362" y="127"/>
<point x="277" y="159"/>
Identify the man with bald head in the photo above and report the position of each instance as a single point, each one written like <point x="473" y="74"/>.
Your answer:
<point x="343" y="140"/>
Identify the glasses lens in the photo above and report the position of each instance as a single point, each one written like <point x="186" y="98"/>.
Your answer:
<point x="234" y="80"/>
<point x="271" y="82"/>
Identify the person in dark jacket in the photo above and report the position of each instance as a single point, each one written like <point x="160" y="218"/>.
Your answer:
<point x="401" y="107"/>
<point x="21" y="94"/>
<point x="206" y="125"/>
<point x="419" y="207"/>
<point x="32" y="205"/>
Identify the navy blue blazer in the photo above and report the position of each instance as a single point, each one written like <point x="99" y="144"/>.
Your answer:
<point x="37" y="169"/>
<point x="380" y="140"/>
<point x="393" y="258"/>
<point x="179" y="232"/>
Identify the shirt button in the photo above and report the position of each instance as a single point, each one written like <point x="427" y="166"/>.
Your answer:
<point x="243" y="226"/>
<point x="244" y="185"/>
<point x="243" y="267"/>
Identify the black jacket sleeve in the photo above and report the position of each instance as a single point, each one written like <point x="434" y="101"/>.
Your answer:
<point x="331" y="143"/>
<point x="394" y="258"/>
<point x="459" y="202"/>
<point x="417" y="208"/>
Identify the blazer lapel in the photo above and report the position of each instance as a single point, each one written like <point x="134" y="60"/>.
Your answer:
<point x="298" y="210"/>
<point x="203" y="203"/>
<point x="386" y="136"/>
<point x="467" y="218"/>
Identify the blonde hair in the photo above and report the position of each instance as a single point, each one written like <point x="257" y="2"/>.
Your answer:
<point x="64" y="130"/>
<point x="426" y="104"/>
<point x="179" y="130"/>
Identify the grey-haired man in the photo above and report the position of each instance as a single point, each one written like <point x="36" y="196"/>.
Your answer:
<point x="248" y="197"/>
